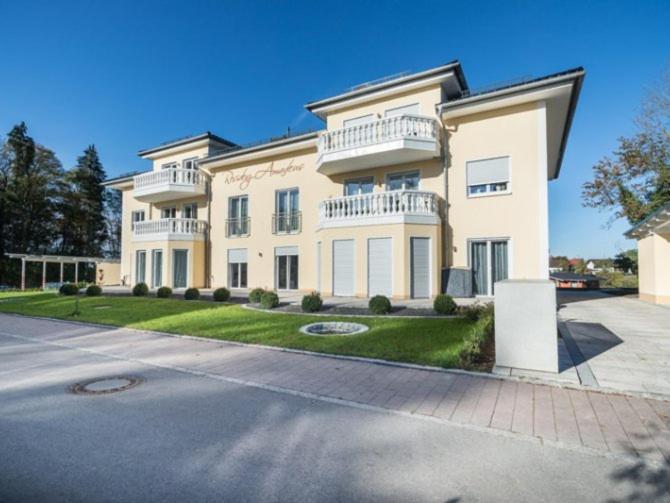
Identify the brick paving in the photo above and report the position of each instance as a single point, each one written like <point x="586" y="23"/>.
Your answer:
<point x="570" y="417"/>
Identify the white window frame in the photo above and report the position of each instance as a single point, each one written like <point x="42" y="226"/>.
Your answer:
<point x="137" y="254"/>
<point x="403" y="173"/>
<point x="189" y="205"/>
<point x="171" y="209"/>
<point x="191" y="160"/>
<point x="154" y="252"/>
<point x="169" y="165"/>
<point x="358" y="121"/>
<point x="188" y="267"/>
<point x="357" y="179"/>
<point x="489" y="193"/>
<point x="134" y="220"/>
<point x="396" y="109"/>
<point x="489" y="264"/>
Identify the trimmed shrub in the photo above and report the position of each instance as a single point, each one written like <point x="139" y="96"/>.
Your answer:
<point x="478" y="343"/>
<point x="68" y="289"/>
<point x="82" y="284"/>
<point x="444" y="304"/>
<point x="379" y="304"/>
<point x="192" y="294"/>
<point x="94" y="291"/>
<point x="164" y="292"/>
<point x="269" y="300"/>
<point x="312" y="303"/>
<point x="140" y="290"/>
<point x="221" y="294"/>
<point x="473" y="312"/>
<point x="255" y="295"/>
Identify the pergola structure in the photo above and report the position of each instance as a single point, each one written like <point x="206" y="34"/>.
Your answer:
<point x="57" y="259"/>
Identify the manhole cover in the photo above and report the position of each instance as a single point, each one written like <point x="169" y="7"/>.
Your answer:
<point x="333" y="328"/>
<point x="104" y="385"/>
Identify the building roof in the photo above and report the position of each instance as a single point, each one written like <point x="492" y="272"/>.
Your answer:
<point x="126" y="177"/>
<point x="657" y="221"/>
<point x="207" y="135"/>
<point x="380" y="85"/>
<point x="259" y="147"/>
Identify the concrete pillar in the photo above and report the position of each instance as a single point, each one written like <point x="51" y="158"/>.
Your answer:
<point x="23" y="274"/>
<point x="44" y="274"/>
<point x="61" y="272"/>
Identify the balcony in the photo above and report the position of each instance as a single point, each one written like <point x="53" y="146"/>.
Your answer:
<point x="168" y="184"/>
<point x="392" y="140"/>
<point x="287" y="223"/>
<point x="238" y="227"/>
<point x="378" y="208"/>
<point x="170" y="229"/>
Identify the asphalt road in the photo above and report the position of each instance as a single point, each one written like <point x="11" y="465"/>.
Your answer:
<point x="180" y="437"/>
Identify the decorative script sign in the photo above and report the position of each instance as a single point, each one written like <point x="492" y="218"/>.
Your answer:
<point x="245" y="178"/>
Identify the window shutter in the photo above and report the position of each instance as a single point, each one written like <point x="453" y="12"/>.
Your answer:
<point x="488" y="171"/>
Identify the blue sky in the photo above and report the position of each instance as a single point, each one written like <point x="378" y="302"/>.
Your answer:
<point x="126" y="75"/>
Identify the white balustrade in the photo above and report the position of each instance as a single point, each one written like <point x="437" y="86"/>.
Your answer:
<point x="378" y="204"/>
<point x="379" y="131"/>
<point x="174" y="226"/>
<point x="177" y="176"/>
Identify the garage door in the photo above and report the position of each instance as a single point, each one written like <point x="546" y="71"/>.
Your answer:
<point x="343" y="267"/>
<point x="380" y="267"/>
<point x="420" y="267"/>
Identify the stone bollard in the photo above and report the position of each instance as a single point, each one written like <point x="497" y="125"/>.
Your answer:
<point x="526" y="335"/>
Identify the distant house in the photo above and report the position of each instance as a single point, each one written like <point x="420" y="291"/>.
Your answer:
<point x="600" y="265"/>
<point x="573" y="280"/>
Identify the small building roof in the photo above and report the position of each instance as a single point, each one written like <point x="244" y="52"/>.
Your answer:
<point x="207" y="135"/>
<point x="64" y="259"/>
<point x="656" y="222"/>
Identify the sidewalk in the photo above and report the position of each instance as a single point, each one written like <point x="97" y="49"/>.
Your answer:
<point x="607" y="423"/>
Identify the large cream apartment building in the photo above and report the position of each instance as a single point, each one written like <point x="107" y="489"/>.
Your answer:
<point x="415" y="185"/>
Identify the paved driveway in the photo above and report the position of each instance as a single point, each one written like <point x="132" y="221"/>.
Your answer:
<point x="223" y="422"/>
<point x="625" y="342"/>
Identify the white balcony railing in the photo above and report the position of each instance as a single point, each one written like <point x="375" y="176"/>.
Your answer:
<point x="170" y="228"/>
<point x="177" y="176"/>
<point x="380" y="131"/>
<point x="401" y="206"/>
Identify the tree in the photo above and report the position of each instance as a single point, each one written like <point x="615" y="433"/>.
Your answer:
<point x="33" y="194"/>
<point x="637" y="180"/>
<point x="626" y="261"/>
<point x="113" y="220"/>
<point x="84" y="230"/>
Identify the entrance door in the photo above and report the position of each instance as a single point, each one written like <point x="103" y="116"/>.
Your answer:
<point x="157" y="268"/>
<point x="420" y="267"/>
<point x="179" y="268"/>
<point x="343" y="268"/>
<point x="380" y="267"/>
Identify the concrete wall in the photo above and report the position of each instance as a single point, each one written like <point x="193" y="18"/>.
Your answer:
<point x="654" y="268"/>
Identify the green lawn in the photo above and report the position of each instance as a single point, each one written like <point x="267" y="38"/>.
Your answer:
<point x="435" y="341"/>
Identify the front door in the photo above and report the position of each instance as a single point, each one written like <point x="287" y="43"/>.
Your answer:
<point x="179" y="268"/>
<point x="286" y="270"/>
<point x="489" y="263"/>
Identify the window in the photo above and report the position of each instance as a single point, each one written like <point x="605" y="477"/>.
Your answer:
<point x="238" y="216"/>
<point x="169" y="165"/>
<point x="488" y="176"/>
<point x="489" y="263"/>
<point x="190" y="211"/>
<point x="191" y="163"/>
<point x="403" y="181"/>
<point x="156" y="268"/>
<point x="357" y="121"/>
<point x="140" y="266"/>
<point x="169" y="212"/>
<point x="136" y="216"/>
<point x="412" y="109"/>
<point x="359" y="186"/>
<point x="287" y="211"/>
<point x="237" y="268"/>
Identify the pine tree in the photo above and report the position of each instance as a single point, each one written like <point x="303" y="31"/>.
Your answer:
<point x="85" y="227"/>
<point x="113" y="218"/>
